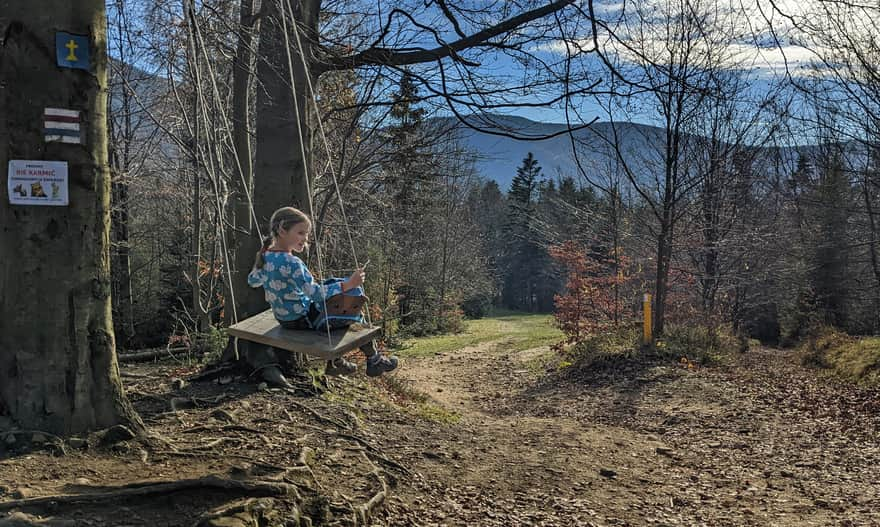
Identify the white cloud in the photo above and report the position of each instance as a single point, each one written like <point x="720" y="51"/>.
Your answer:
<point x="759" y="36"/>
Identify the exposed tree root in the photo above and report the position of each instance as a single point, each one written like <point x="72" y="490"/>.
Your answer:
<point x="18" y="519"/>
<point x="317" y="415"/>
<point x="259" y="511"/>
<point x="367" y="447"/>
<point x="385" y="461"/>
<point x="365" y="511"/>
<point x="51" y="439"/>
<point x="190" y="453"/>
<point x="271" y="373"/>
<point x="130" y="375"/>
<point x="217" y="442"/>
<point x="143" y="356"/>
<point x="224" y="428"/>
<point x="215" y="371"/>
<point x="251" y="488"/>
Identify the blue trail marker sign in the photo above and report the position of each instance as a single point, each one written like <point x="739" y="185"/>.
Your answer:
<point x="72" y="51"/>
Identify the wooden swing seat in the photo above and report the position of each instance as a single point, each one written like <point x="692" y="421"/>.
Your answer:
<point x="264" y="329"/>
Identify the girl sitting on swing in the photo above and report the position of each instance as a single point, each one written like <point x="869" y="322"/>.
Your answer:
<point x="296" y="298"/>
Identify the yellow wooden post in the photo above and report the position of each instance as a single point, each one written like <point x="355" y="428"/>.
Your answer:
<point x="646" y="309"/>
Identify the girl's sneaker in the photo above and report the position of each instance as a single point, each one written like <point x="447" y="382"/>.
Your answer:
<point x="340" y="366"/>
<point x="379" y="364"/>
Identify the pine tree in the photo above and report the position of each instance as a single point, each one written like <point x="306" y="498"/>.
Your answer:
<point x="489" y="209"/>
<point x="815" y="282"/>
<point x="522" y="253"/>
<point x="410" y="174"/>
<point x="830" y="247"/>
<point x="405" y="110"/>
<point x="523" y="186"/>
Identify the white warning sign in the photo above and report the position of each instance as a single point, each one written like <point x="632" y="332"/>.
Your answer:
<point x="38" y="183"/>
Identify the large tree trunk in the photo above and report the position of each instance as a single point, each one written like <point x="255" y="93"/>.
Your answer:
<point x="242" y="187"/>
<point x="284" y="115"/>
<point x="283" y="149"/>
<point x="284" y="135"/>
<point x="58" y="369"/>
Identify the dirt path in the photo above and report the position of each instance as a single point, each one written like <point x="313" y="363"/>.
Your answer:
<point x="487" y="436"/>
<point x="758" y="442"/>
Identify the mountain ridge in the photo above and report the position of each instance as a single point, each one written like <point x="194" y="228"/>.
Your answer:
<point x="499" y="152"/>
<point x="498" y="155"/>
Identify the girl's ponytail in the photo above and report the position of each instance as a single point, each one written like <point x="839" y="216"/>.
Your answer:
<point x="260" y="261"/>
<point x="282" y="219"/>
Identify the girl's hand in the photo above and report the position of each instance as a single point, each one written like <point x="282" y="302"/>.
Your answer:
<point x="355" y="280"/>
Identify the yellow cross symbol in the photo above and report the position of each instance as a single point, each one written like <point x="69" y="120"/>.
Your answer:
<point x="71" y="46"/>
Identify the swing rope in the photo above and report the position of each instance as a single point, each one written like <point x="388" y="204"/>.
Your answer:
<point x="288" y="10"/>
<point x="197" y="32"/>
<point x="201" y="53"/>
<point x="198" y="42"/>
<point x="302" y="148"/>
<point x="323" y="134"/>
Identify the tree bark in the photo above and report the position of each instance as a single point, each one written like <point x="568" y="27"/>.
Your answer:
<point x="242" y="188"/>
<point x="58" y="367"/>
<point x="284" y="119"/>
<point x="283" y="146"/>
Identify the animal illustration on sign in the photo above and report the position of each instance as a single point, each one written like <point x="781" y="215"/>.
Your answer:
<point x="37" y="190"/>
<point x="21" y="192"/>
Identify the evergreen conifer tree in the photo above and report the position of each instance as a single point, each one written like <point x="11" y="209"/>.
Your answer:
<point x="522" y="253"/>
<point x="830" y="248"/>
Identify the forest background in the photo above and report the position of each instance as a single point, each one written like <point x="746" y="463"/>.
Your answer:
<point x="741" y="193"/>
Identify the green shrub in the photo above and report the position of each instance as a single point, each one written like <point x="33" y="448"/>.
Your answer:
<point x="477" y="306"/>
<point x="689" y="344"/>
<point x="450" y="320"/>
<point x="797" y="320"/>
<point x="211" y="343"/>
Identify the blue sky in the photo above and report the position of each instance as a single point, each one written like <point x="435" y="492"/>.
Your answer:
<point x="757" y="39"/>
<point x="764" y="44"/>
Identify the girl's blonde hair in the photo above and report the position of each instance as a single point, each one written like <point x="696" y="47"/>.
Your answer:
<point x="282" y="219"/>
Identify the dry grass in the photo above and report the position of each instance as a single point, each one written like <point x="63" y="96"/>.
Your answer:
<point x="855" y="359"/>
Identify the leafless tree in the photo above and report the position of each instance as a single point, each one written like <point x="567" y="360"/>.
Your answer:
<point x="298" y="46"/>
<point x="668" y="57"/>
